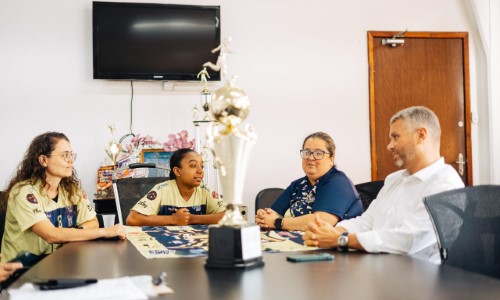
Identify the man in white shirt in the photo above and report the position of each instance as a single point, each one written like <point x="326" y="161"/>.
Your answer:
<point x="397" y="221"/>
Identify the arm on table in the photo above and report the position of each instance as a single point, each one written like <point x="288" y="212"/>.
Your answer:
<point x="298" y="223"/>
<point x="321" y="234"/>
<point x="56" y="235"/>
<point x="179" y="218"/>
<point x="206" y="219"/>
<point x="265" y="218"/>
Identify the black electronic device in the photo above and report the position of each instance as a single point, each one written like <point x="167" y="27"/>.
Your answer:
<point x="146" y="41"/>
<point x="310" y="257"/>
<point x="63" y="283"/>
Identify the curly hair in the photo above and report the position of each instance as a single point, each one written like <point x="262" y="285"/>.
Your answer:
<point x="30" y="170"/>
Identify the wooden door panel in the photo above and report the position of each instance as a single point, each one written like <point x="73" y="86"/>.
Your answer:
<point x="429" y="70"/>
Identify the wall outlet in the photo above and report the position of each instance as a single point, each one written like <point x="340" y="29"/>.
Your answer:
<point x="244" y="212"/>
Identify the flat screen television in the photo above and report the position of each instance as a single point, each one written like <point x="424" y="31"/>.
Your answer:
<point x="145" y="41"/>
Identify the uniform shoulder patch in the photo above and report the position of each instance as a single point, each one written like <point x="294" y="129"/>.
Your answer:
<point x="151" y="195"/>
<point x="162" y="185"/>
<point x="215" y="195"/>
<point x="31" y="199"/>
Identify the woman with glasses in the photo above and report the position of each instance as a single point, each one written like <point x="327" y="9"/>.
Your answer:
<point x="324" y="190"/>
<point x="45" y="203"/>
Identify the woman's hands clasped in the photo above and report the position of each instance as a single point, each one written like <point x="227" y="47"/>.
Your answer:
<point x="266" y="217"/>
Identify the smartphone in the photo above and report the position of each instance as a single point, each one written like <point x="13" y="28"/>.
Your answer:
<point x="310" y="257"/>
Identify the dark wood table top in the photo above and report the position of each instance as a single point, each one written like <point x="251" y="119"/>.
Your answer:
<point x="350" y="276"/>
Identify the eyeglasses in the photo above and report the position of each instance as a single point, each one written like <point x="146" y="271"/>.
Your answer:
<point x="317" y="154"/>
<point x="67" y="156"/>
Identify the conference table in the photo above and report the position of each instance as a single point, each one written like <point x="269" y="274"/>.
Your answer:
<point x="352" y="275"/>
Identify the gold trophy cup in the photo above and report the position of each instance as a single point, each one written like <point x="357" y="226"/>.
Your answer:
<point x="112" y="147"/>
<point x="233" y="243"/>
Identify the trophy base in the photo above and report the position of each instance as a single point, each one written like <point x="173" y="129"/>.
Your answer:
<point x="234" y="264"/>
<point x="231" y="247"/>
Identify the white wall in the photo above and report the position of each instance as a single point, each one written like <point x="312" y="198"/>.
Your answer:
<point x="303" y="64"/>
<point x="495" y="88"/>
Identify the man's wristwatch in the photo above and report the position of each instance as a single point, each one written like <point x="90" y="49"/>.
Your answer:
<point x="278" y="223"/>
<point x="342" y="241"/>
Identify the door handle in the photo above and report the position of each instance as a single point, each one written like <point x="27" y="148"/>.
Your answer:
<point x="461" y="163"/>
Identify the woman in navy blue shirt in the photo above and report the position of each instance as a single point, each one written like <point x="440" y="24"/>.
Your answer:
<point x="324" y="190"/>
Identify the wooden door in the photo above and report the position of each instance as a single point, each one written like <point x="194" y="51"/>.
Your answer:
<point x="429" y="69"/>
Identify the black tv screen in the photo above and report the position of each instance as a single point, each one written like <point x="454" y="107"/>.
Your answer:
<point x="148" y="41"/>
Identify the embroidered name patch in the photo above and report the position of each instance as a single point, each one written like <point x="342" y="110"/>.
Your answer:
<point x="31" y="199"/>
<point x="151" y="195"/>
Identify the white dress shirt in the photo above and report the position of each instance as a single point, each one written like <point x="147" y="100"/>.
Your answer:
<point x="397" y="221"/>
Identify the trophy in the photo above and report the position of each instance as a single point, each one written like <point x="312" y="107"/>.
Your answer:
<point x="233" y="243"/>
<point x="112" y="147"/>
<point x="206" y="95"/>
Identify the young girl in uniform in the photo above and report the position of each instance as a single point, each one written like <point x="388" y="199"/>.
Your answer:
<point x="181" y="200"/>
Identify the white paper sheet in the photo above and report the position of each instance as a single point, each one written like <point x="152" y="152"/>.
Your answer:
<point x="117" y="288"/>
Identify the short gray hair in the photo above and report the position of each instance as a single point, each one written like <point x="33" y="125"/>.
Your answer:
<point x="330" y="144"/>
<point x="419" y="116"/>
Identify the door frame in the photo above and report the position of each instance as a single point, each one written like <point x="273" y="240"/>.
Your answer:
<point x="467" y="118"/>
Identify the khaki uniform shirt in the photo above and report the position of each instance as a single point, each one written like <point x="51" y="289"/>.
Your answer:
<point x="28" y="205"/>
<point x="164" y="198"/>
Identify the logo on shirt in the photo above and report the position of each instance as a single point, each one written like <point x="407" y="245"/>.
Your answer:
<point x="143" y="204"/>
<point x="84" y="194"/>
<point x="152" y="195"/>
<point x="31" y="199"/>
<point x="215" y="195"/>
<point x="69" y="217"/>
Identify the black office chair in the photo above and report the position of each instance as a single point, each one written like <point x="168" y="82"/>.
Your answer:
<point x="266" y="197"/>
<point x="129" y="190"/>
<point x="368" y="191"/>
<point x="467" y="225"/>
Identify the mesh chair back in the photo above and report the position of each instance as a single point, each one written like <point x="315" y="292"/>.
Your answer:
<point x="368" y="191"/>
<point x="467" y="224"/>
<point x="129" y="190"/>
<point x="266" y="197"/>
